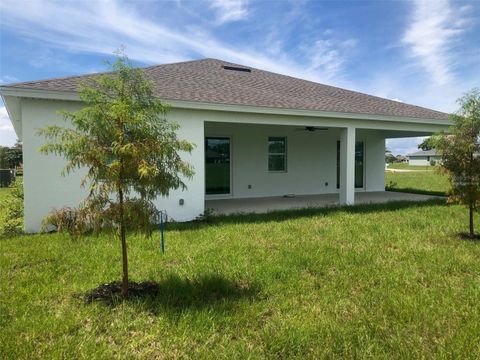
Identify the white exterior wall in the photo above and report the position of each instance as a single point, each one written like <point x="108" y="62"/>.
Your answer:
<point x="191" y="129"/>
<point x="311" y="160"/>
<point x="423" y="160"/>
<point x="46" y="189"/>
<point x="311" y="157"/>
<point x="419" y="161"/>
<point x="374" y="159"/>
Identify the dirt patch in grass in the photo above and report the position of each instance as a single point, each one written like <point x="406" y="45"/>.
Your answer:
<point x="174" y="292"/>
<point x="112" y="292"/>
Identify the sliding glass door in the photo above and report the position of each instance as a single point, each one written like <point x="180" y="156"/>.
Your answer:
<point x="359" y="164"/>
<point x="217" y="165"/>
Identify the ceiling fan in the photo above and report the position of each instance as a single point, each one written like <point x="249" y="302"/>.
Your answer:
<point x="311" y="128"/>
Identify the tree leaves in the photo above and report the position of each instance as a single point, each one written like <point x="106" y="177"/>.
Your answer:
<point x="123" y="138"/>
<point x="460" y="150"/>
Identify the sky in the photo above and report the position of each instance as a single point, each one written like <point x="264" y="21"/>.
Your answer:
<point x="425" y="53"/>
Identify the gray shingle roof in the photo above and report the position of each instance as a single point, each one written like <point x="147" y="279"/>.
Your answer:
<point x="431" y="152"/>
<point x="207" y="81"/>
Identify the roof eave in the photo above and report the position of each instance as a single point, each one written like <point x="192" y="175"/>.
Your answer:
<point x="197" y="105"/>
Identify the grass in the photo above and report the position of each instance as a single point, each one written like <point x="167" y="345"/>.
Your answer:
<point x="386" y="281"/>
<point x="3" y="193"/>
<point x="5" y="190"/>
<point x="406" y="166"/>
<point x="421" y="182"/>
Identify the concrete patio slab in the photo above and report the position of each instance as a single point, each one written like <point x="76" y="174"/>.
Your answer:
<point x="267" y="204"/>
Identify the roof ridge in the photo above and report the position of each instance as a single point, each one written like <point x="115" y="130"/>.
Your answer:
<point x="101" y="73"/>
<point x="58" y="78"/>
<point x="176" y="63"/>
<point x="420" y="152"/>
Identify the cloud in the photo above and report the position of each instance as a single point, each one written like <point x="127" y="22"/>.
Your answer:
<point x="7" y="79"/>
<point x="229" y="10"/>
<point x="403" y="146"/>
<point x="7" y="134"/>
<point x="80" y="27"/>
<point x="326" y="56"/>
<point x="293" y="42"/>
<point x="431" y="36"/>
<point x="323" y="55"/>
<point x="5" y="124"/>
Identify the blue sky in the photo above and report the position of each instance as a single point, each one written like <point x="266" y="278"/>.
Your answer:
<point x="421" y="52"/>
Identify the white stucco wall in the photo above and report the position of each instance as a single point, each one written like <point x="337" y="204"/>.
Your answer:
<point x="374" y="159"/>
<point x="46" y="189"/>
<point x="419" y="161"/>
<point x="311" y="156"/>
<point x="311" y="159"/>
<point x="423" y="160"/>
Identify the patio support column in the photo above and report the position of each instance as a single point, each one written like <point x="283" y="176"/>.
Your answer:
<point x="347" y="166"/>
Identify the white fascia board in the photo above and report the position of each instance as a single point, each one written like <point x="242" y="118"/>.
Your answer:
<point x="39" y="94"/>
<point x="197" y="105"/>
<point x="300" y="112"/>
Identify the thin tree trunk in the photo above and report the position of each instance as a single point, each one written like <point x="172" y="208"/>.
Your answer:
<point x="472" y="231"/>
<point x="124" y="244"/>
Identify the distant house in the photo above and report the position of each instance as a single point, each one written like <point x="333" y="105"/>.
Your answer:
<point x="423" y="157"/>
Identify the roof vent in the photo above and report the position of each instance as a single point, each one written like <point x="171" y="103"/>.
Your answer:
<point x="236" y="68"/>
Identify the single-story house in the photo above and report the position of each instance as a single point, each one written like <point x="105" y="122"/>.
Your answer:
<point x="424" y="157"/>
<point x="258" y="134"/>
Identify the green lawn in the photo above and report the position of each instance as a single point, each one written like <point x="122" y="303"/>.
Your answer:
<point x="423" y="182"/>
<point x="378" y="281"/>
<point x="406" y="166"/>
<point x="3" y="193"/>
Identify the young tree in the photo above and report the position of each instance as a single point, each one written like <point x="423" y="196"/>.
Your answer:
<point x="14" y="156"/>
<point x="10" y="157"/>
<point x="460" y="151"/>
<point x="389" y="158"/>
<point x="121" y="136"/>
<point x="4" y="163"/>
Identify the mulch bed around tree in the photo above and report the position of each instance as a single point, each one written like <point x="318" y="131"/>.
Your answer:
<point x="112" y="292"/>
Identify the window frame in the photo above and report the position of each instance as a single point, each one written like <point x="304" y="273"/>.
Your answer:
<point x="284" y="154"/>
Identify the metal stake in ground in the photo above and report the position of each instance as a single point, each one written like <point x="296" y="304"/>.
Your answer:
<point x="162" y="228"/>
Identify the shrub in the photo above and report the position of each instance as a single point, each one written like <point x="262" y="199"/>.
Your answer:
<point x="391" y="185"/>
<point x="12" y="210"/>
<point x="433" y="162"/>
<point x="94" y="216"/>
<point x="62" y="220"/>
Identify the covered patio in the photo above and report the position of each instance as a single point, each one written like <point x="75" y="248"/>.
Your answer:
<point x="275" y="203"/>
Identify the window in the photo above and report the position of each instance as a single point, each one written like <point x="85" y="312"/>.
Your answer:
<point x="359" y="164"/>
<point x="338" y="164"/>
<point x="217" y="165"/>
<point x="277" y="154"/>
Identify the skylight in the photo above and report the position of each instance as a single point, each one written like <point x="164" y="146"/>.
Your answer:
<point x="236" y="68"/>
